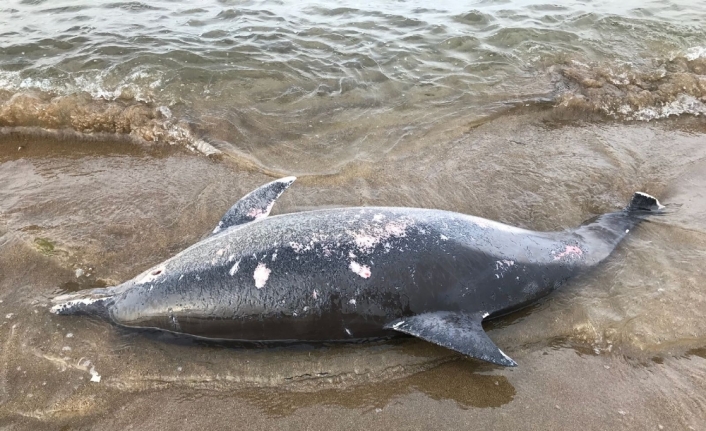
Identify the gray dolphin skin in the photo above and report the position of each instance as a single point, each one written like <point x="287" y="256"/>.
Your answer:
<point x="355" y="273"/>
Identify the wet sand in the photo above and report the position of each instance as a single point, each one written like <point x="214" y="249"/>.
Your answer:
<point x="621" y="348"/>
<point x="604" y="393"/>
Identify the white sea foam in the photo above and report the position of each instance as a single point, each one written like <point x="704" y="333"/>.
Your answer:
<point x="684" y="104"/>
<point x="695" y="52"/>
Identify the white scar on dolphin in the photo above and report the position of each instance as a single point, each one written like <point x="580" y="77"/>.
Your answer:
<point x="261" y="274"/>
<point x="356" y="273"/>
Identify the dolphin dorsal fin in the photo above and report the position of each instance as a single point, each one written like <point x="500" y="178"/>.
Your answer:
<point x="255" y="205"/>
<point x="456" y="331"/>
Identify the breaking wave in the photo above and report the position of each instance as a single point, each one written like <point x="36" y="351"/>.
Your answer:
<point x="626" y="91"/>
<point x="81" y="113"/>
<point x="135" y="109"/>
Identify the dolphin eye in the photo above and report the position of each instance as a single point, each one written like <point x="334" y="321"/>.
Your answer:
<point x="156" y="272"/>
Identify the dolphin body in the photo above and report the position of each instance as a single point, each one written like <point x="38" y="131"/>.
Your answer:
<point x="355" y="273"/>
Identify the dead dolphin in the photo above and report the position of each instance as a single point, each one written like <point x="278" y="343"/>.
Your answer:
<point x="355" y="273"/>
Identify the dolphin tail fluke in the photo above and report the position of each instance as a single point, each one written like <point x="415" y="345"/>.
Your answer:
<point x="461" y="332"/>
<point x="92" y="301"/>
<point x="644" y="203"/>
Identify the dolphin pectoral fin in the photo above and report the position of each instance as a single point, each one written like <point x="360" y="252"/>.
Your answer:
<point x="456" y="331"/>
<point x="255" y="205"/>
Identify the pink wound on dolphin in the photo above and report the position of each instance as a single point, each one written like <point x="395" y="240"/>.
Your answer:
<point x="571" y="251"/>
<point x="362" y="270"/>
<point x="258" y="213"/>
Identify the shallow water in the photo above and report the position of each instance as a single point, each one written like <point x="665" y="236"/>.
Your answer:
<point x="337" y="82"/>
<point x="522" y="112"/>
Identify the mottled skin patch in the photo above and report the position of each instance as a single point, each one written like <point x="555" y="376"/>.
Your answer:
<point x="419" y="261"/>
<point x="573" y="252"/>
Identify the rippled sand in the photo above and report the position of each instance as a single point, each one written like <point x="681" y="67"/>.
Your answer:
<point x="621" y="348"/>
